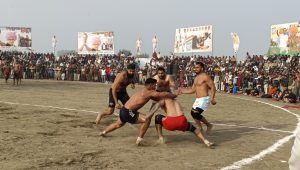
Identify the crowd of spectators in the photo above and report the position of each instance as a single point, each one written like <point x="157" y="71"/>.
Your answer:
<point x="263" y="76"/>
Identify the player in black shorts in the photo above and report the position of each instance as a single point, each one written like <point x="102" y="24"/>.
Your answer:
<point x="129" y="116"/>
<point x="121" y="95"/>
<point x="129" y="112"/>
<point x="118" y="91"/>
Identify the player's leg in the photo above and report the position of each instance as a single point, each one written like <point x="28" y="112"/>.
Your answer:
<point x="112" y="127"/>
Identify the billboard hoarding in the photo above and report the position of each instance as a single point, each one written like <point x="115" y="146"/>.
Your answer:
<point x="193" y="39"/>
<point x="95" y="43"/>
<point x="285" y="39"/>
<point x="18" y="37"/>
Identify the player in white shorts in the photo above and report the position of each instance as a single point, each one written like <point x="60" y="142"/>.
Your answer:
<point x="202" y="85"/>
<point x="202" y="103"/>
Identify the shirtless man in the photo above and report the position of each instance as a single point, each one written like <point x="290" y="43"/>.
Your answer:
<point x="129" y="112"/>
<point x="6" y="71"/>
<point x="16" y="72"/>
<point x="175" y="120"/>
<point x="165" y="83"/>
<point x="202" y="85"/>
<point x="118" y="91"/>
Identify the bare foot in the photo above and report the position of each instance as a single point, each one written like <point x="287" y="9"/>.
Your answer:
<point x="209" y="144"/>
<point x="209" y="128"/>
<point x="139" y="141"/>
<point x="161" y="141"/>
<point x="102" y="134"/>
<point x="97" y="121"/>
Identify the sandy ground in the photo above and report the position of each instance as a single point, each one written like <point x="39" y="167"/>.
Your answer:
<point x="34" y="136"/>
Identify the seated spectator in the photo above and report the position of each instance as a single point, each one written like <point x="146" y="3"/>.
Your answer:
<point x="289" y="97"/>
<point x="276" y="95"/>
<point x="230" y="87"/>
<point x="235" y="89"/>
<point x="283" y="94"/>
<point x="272" y="91"/>
<point x="246" y="91"/>
<point x="256" y="90"/>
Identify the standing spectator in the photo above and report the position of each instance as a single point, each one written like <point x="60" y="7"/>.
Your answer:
<point x="103" y="75"/>
<point x="6" y="71"/>
<point x="107" y="72"/>
<point x="296" y="86"/>
<point x="217" y="81"/>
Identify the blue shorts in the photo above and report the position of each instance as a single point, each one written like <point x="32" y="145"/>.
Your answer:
<point x="129" y="116"/>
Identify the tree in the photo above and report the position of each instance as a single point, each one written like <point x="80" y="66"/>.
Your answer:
<point x="144" y="55"/>
<point x="125" y="52"/>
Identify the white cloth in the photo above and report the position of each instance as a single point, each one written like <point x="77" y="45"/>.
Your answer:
<point x="294" y="162"/>
<point x="236" y="47"/>
<point x="154" y="44"/>
<point x="202" y="103"/>
<point x="138" y="46"/>
<point x="103" y="72"/>
<point x="54" y="42"/>
<point x="216" y="79"/>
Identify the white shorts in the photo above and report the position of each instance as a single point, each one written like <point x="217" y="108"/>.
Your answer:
<point x="201" y="103"/>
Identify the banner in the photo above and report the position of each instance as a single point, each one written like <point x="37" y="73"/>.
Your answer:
<point x="285" y="39"/>
<point x="95" y="43"/>
<point x="235" y="42"/>
<point x="15" y="37"/>
<point x="193" y="39"/>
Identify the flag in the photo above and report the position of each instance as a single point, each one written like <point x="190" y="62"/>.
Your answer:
<point x="235" y="41"/>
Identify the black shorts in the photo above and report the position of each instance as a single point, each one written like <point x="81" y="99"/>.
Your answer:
<point x="163" y="91"/>
<point x="129" y="116"/>
<point x="121" y="95"/>
<point x="16" y="75"/>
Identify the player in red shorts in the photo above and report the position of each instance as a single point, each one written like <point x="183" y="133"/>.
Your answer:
<point x="174" y="120"/>
<point x="6" y="71"/>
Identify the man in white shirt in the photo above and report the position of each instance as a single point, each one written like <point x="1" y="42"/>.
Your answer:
<point x="103" y="75"/>
<point x="217" y="81"/>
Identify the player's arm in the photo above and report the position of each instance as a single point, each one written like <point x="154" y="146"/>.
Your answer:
<point x="212" y="87"/>
<point x="172" y="84"/>
<point x="189" y="90"/>
<point x="157" y="105"/>
<point x="115" y="86"/>
<point x="132" y="84"/>
<point x="161" y="95"/>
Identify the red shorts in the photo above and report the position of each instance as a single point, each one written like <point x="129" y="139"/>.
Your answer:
<point x="175" y="123"/>
<point x="6" y="74"/>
